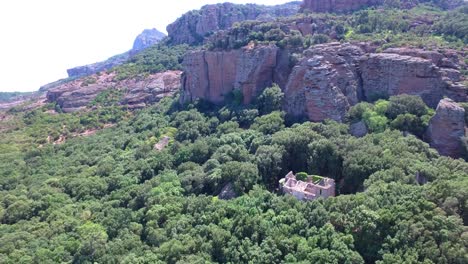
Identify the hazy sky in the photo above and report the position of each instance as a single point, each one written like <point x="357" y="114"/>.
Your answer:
<point x="40" y="39"/>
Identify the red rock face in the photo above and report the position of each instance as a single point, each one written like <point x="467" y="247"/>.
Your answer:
<point x="76" y="95"/>
<point x="447" y="128"/>
<point x="211" y="75"/>
<point x="327" y="81"/>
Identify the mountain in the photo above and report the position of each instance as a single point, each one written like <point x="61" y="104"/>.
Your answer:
<point x="147" y="38"/>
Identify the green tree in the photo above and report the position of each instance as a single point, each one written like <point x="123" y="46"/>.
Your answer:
<point x="269" y="124"/>
<point x="271" y="99"/>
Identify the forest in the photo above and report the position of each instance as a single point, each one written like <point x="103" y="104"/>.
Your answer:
<point x="112" y="198"/>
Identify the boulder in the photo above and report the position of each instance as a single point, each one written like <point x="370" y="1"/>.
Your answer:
<point x="358" y="129"/>
<point x="228" y="192"/>
<point x="446" y="128"/>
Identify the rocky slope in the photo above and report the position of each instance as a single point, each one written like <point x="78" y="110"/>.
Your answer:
<point x="346" y="6"/>
<point x="146" y="39"/>
<point x="194" y="26"/>
<point x="328" y="80"/>
<point x="447" y="128"/>
<point x="136" y="92"/>
<point x="338" y="6"/>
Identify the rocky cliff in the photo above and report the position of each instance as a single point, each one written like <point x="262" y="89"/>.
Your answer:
<point x="447" y="128"/>
<point x="136" y="92"/>
<point x="146" y="39"/>
<point x="325" y="83"/>
<point x="212" y="75"/>
<point x="195" y="25"/>
<point x="327" y="80"/>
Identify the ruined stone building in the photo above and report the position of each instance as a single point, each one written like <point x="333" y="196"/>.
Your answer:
<point x="314" y="187"/>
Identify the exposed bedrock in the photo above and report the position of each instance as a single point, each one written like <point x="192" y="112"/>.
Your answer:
<point x="136" y="92"/>
<point x="193" y="26"/>
<point x="327" y="80"/>
<point x="212" y="75"/>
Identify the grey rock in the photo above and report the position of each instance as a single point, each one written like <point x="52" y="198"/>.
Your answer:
<point x="358" y="129"/>
<point x="147" y="38"/>
<point x="192" y="27"/>
<point x="228" y="192"/>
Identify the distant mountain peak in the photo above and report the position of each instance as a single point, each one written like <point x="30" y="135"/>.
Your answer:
<point x="147" y="38"/>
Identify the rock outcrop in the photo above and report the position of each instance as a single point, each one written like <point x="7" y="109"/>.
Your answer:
<point x="228" y="192"/>
<point x="358" y="129"/>
<point x="195" y="25"/>
<point x="447" y="128"/>
<point x="327" y="80"/>
<point x="387" y="74"/>
<point x="325" y="83"/>
<point x="147" y="38"/>
<point x="346" y="6"/>
<point x="136" y="92"/>
<point x="212" y="75"/>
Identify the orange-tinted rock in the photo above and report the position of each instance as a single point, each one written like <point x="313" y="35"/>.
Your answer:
<point x="211" y="75"/>
<point x="447" y="128"/>
<point x="325" y="83"/>
<point x="140" y="91"/>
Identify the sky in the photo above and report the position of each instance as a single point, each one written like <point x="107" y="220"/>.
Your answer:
<point x="41" y="39"/>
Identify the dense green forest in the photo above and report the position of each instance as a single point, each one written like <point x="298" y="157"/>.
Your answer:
<point x="112" y="198"/>
<point x="90" y="187"/>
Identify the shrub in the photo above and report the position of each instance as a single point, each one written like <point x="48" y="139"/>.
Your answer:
<point x="302" y="176"/>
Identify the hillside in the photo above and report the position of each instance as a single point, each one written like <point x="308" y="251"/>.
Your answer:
<point x="177" y="154"/>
